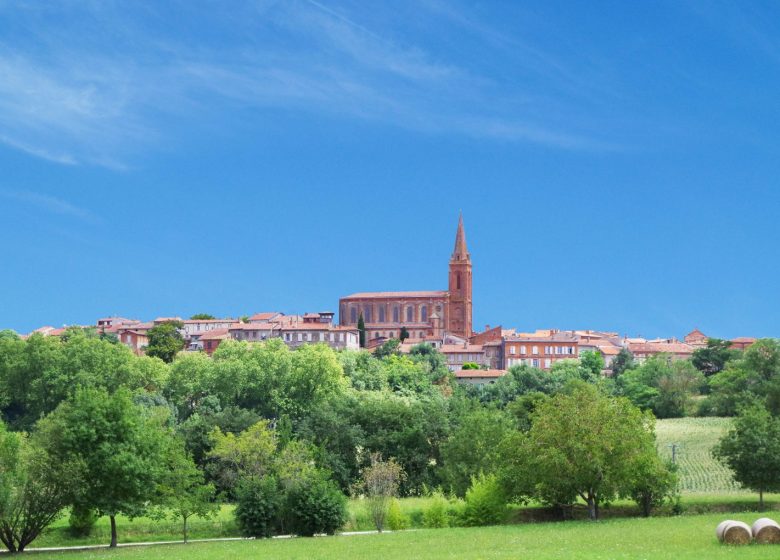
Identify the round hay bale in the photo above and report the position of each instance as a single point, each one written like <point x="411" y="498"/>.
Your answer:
<point x="720" y="527"/>
<point x="734" y="532"/>
<point x="766" y="531"/>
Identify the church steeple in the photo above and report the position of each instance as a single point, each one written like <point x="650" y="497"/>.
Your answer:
<point x="459" y="294"/>
<point x="460" y="253"/>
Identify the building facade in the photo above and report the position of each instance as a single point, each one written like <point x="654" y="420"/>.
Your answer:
<point x="424" y="314"/>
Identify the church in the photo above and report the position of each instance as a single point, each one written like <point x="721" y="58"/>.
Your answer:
<point x="424" y="314"/>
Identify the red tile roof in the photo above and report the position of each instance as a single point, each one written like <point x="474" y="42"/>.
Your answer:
<point x="744" y="339"/>
<point x="660" y="348"/>
<point x="419" y="294"/>
<point x="216" y="334"/>
<point x="264" y="316"/>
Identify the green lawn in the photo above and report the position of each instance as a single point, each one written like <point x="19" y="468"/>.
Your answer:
<point x="695" y="438"/>
<point x="681" y="538"/>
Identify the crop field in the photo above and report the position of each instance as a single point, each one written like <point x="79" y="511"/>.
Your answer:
<point x="694" y="439"/>
<point x="682" y="538"/>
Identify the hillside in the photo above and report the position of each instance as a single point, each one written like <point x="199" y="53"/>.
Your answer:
<point x="695" y="438"/>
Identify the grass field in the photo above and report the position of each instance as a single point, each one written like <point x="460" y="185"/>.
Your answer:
<point x="695" y="438"/>
<point x="682" y="538"/>
<point x="707" y="487"/>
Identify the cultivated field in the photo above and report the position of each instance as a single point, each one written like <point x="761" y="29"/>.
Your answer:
<point x="682" y="538"/>
<point x="695" y="438"/>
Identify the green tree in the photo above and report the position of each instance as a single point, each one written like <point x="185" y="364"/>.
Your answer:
<point x="34" y="490"/>
<point x="361" y="331"/>
<point x="202" y="317"/>
<point x="403" y="335"/>
<point x="473" y="447"/>
<point x="593" y="363"/>
<point x="122" y="446"/>
<point x="622" y="362"/>
<point x="470" y="365"/>
<point x="250" y="453"/>
<point x="165" y="340"/>
<point x="713" y="358"/>
<point x="581" y="444"/>
<point x="755" y="375"/>
<point x="751" y="449"/>
<point x="184" y="490"/>
<point x="655" y="482"/>
<point x="389" y="348"/>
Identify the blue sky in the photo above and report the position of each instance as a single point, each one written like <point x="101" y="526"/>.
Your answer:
<point x="617" y="163"/>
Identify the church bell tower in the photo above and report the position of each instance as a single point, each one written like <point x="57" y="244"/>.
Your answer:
<point x="459" y="301"/>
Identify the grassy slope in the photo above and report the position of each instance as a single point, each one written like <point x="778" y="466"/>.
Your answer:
<point x="699" y="471"/>
<point x="682" y="538"/>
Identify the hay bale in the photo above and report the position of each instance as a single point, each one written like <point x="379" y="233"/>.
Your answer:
<point x="766" y="531"/>
<point x="734" y="532"/>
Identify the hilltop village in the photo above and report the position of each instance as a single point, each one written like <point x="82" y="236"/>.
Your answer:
<point x="440" y="318"/>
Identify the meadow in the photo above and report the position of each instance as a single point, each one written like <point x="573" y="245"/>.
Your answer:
<point x="682" y="538"/>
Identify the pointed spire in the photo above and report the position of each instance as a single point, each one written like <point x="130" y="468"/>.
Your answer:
<point x="460" y="253"/>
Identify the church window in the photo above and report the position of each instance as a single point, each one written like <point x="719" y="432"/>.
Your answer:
<point x="381" y="313"/>
<point x="457" y="281"/>
<point x="535" y="350"/>
<point x="353" y="315"/>
<point x="396" y="314"/>
<point x="424" y="313"/>
<point x="367" y="314"/>
<point x="409" y="314"/>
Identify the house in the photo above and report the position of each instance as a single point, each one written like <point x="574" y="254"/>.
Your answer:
<point x="540" y="349"/>
<point x="211" y="340"/>
<point x="478" y="377"/>
<point x="696" y="338"/>
<point x="742" y="342"/>
<point x="643" y="349"/>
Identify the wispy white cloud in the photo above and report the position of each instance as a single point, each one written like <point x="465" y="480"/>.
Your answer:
<point x="74" y="103"/>
<point x="50" y="204"/>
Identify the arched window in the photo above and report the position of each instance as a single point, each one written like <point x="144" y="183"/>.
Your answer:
<point x="381" y="313"/>
<point x="457" y="281"/>
<point x="367" y="314"/>
<point x="424" y="313"/>
<point x="396" y="314"/>
<point x="353" y="318"/>
<point x="343" y="313"/>
<point x="409" y="314"/>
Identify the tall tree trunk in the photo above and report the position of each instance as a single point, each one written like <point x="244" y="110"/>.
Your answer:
<point x="761" y="498"/>
<point x="185" y="528"/>
<point x="592" y="511"/>
<point x="113" y="531"/>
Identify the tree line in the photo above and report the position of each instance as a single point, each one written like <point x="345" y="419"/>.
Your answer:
<point x="287" y="434"/>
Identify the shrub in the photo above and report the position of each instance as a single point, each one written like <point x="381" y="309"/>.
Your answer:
<point x="81" y="521"/>
<point x="485" y="502"/>
<point x="258" y="505"/>
<point x="435" y="515"/>
<point x="316" y="506"/>
<point x="396" y="519"/>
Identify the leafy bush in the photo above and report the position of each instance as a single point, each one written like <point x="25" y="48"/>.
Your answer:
<point x="397" y="520"/>
<point x="258" y="505"/>
<point x="435" y="515"/>
<point x="316" y="506"/>
<point x="485" y="502"/>
<point x="81" y="521"/>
